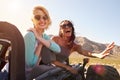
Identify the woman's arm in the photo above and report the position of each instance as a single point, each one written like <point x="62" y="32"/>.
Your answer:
<point x="104" y="53"/>
<point x="46" y="41"/>
<point x="78" y="48"/>
<point x="59" y="64"/>
<point x="30" y="56"/>
<point x="101" y="55"/>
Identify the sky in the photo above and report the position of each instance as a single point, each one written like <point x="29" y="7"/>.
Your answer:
<point x="98" y="20"/>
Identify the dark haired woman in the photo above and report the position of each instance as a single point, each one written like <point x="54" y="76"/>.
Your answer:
<point x="66" y="41"/>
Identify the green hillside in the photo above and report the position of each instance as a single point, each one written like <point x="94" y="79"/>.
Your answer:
<point x="112" y="61"/>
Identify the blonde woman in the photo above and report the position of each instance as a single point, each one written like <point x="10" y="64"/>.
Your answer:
<point x="35" y="40"/>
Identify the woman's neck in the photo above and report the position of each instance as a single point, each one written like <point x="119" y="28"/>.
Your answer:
<point x="66" y="38"/>
<point x="40" y="32"/>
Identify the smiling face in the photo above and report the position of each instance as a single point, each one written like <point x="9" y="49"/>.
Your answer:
<point x="66" y="29"/>
<point x="41" y="19"/>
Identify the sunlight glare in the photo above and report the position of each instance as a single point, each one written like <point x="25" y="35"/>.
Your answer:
<point x="14" y="6"/>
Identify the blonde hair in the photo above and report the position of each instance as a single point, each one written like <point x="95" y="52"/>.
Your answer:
<point x="44" y="10"/>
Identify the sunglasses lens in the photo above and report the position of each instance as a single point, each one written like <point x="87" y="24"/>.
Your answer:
<point x="66" y="25"/>
<point x="70" y="25"/>
<point x="44" y="17"/>
<point x="38" y="17"/>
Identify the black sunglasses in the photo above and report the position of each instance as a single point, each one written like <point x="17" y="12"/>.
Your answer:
<point x="66" y="25"/>
<point x="38" y="17"/>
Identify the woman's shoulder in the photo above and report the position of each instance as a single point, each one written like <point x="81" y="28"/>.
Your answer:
<point x="55" y="37"/>
<point x="29" y="34"/>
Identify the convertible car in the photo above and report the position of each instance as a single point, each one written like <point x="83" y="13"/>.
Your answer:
<point x="12" y="51"/>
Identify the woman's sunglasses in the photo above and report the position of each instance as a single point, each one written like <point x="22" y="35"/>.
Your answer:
<point x="38" y="17"/>
<point x="66" y="25"/>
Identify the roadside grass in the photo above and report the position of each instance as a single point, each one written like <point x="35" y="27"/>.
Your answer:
<point x="111" y="61"/>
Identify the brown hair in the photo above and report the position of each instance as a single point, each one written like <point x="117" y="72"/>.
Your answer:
<point x="72" y="38"/>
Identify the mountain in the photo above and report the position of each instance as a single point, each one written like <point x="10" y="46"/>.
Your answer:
<point x="96" y="46"/>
